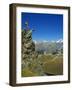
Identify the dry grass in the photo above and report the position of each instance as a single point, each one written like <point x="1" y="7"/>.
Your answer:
<point x="53" y="64"/>
<point x="50" y="64"/>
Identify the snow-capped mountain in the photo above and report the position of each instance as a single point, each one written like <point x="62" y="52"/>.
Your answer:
<point x="60" y="41"/>
<point x="48" y="46"/>
<point x="46" y="41"/>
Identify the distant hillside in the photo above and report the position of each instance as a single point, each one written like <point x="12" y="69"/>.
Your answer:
<point x="49" y="47"/>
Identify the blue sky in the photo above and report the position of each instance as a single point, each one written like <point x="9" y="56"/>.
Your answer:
<point x="47" y="26"/>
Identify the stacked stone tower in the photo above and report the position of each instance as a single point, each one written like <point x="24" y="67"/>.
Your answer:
<point x="28" y="47"/>
<point x="29" y="55"/>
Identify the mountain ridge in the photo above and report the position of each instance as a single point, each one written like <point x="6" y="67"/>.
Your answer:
<point x="46" y="41"/>
<point x="49" y="47"/>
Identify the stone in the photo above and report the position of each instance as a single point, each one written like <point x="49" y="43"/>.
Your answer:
<point x="28" y="53"/>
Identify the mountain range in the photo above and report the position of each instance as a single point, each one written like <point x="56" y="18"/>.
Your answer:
<point x="46" y="41"/>
<point x="49" y="46"/>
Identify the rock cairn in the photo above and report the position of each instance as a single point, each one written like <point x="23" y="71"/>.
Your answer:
<point x="28" y="47"/>
<point x="30" y="63"/>
<point x="29" y="55"/>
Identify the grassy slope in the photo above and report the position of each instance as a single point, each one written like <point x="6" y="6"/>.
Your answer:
<point x="51" y="64"/>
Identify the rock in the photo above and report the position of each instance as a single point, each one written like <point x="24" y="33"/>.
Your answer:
<point x="28" y="46"/>
<point x="29" y="55"/>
